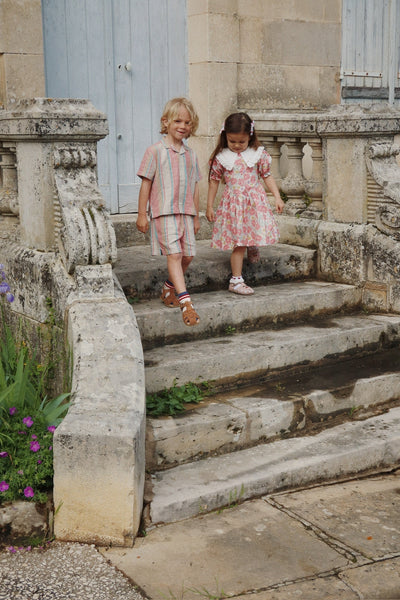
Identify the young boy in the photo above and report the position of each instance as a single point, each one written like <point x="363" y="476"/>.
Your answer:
<point x="170" y="192"/>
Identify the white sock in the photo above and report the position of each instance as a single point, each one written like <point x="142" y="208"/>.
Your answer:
<point x="235" y="279"/>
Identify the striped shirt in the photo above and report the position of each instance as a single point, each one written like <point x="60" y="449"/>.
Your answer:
<point x="174" y="176"/>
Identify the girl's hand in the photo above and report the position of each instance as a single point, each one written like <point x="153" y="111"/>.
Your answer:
<point x="279" y="205"/>
<point x="142" y="223"/>
<point x="210" y="215"/>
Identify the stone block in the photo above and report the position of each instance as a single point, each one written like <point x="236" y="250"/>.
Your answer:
<point x="365" y="392"/>
<point x="251" y="40"/>
<point x="197" y="433"/>
<point x="345" y="181"/>
<point x="36" y="195"/>
<point x="375" y="296"/>
<point x="341" y="252"/>
<point x="266" y="417"/>
<point x="309" y="43"/>
<point x="284" y="87"/>
<point x="213" y="106"/>
<point x="21" y="27"/>
<point x="99" y="447"/>
<point x="198" y="34"/>
<point x="297" y="231"/>
<point x="21" y="76"/>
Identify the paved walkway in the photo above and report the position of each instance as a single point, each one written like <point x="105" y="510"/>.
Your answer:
<point x="333" y="542"/>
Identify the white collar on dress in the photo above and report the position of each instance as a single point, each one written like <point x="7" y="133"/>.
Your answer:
<point x="227" y="158"/>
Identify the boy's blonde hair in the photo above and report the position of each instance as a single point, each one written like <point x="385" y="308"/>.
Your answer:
<point x="171" y="111"/>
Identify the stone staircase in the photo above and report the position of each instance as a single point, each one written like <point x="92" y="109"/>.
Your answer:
<point x="305" y="384"/>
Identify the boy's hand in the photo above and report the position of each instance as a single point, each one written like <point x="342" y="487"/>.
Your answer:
<point x="142" y="223"/>
<point x="196" y="224"/>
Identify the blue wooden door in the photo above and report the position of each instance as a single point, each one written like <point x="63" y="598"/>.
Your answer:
<point x="128" y="57"/>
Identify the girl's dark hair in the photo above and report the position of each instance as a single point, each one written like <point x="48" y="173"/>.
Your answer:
<point x="235" y="123"/>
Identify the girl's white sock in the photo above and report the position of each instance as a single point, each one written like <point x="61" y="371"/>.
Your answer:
<point x="236" y="279"/>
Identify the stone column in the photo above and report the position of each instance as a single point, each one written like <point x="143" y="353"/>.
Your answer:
<point x="313" y="187"/>
<point x="293" y="185"/>
<point x="214" y="49"/>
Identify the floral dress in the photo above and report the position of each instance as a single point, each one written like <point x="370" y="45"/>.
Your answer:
<point x="243" y="217"/>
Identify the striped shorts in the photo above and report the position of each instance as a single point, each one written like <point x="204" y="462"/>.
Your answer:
<point x="173" y="234"/>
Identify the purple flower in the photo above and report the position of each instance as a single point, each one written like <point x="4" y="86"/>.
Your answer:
<point x="51" y="428"/>
<point x="4" y="287"/>
<point x="20" y="472"/>
<point x="11" y="549"/>
<point x="28" y="492"/>
<point x="3" y="454"/>
<point x="34" y="437"/>
<point x="3" y="486"/>
<point x="9" y="297"/>
<point x="28" y="421"/>
<point x="12" y="410"/>
<point x="39" y="462"/>
<point x="50" y="447"/>
<point x="22" y="432"/>
<point x="34" y="446"/>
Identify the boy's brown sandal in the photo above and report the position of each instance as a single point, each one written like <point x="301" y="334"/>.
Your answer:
<point x="189" y="315"/>
<point x="169" y="298"/>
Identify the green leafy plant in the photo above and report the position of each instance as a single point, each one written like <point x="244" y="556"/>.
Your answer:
<point x="28" y="418"/>
<point x="173" y="400"/>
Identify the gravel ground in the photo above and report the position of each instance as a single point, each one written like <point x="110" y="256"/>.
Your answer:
<point x="62" y="572"/>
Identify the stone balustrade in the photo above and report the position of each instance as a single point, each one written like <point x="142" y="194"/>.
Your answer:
<point x="327" y="163"/>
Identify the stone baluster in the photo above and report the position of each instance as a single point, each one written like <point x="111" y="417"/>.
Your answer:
<point x="273" y="147"/>
<point x="8" y="190"/>
<point x="313" y="187"/>
<point x="293" y="185"/>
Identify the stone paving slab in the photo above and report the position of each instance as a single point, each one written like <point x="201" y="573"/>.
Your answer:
<point x="207" y="484"/>
<point x="286" y="546"/>
<point x="235" y="551"/>
<point x="366" y="515"/>
<point x="324" y="588"/>
<point x="377" y="581"/>
<point x="253" y="354"/>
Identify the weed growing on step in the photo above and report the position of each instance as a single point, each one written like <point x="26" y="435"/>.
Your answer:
<point x="174" y="400"/>
<point x="229" y="330"/>
<point x="28" y="418"/>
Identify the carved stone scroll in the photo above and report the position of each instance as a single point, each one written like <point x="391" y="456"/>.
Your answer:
<point x="86" y="235"/>
<point x="384" y="169"/>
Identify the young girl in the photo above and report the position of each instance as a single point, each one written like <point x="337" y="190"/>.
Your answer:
<point x="243" y="218"/>
<point x="170" y="175"/>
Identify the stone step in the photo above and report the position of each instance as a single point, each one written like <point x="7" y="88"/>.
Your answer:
<point x="299" y="404"/>
<point x="346" y="450"/>
<point x="142" y="275"/>
<point x="231" y="359"/>
<point x="222" y="312"/>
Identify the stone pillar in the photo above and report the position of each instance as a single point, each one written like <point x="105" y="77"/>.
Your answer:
<point x="214" y="49"/>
